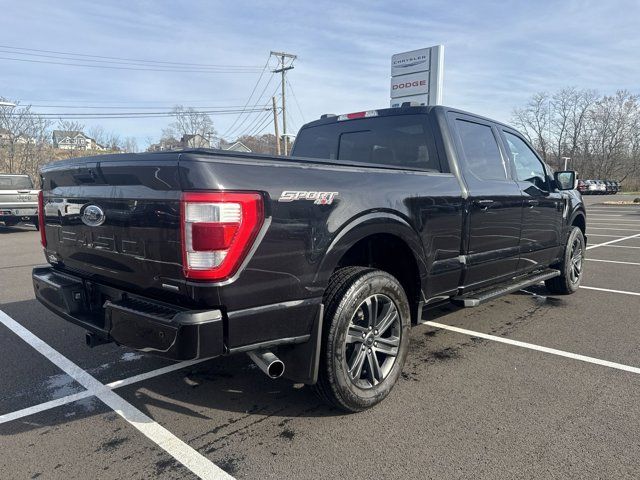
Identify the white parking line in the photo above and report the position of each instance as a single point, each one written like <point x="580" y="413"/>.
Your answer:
<point x="611" y="261"/>
<point x="613" y="241"/>
<point x="601" y="235"/>
<point x="604" y="223"/>
<point x="619" y="246"/>
<point x="59" y="402"/>
<point x="616" y="229"/>
<point x="635" y="294"/>
<point x="41" y="407"/>
<point x="183" y="453"/>
<point x="531" y="346"/>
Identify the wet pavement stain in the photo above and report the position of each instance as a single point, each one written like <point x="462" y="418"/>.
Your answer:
<point x="287" y="434"/>
<point x="230" y="464"/>
<point x="164" y="466"/>
<point x="112" y="444"/>
<point x="447" y="353"/>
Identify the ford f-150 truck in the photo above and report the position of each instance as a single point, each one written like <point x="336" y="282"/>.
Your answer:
<point x="317" y="264"/>
<point x="18" y="200"/>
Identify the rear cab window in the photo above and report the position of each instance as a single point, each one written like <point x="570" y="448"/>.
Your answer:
<point x="11" y="182"/>
<point x="399" y="141"/>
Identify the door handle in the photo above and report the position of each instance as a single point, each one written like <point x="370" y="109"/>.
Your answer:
<point x="484" y="204"/>
<point x="533" y="203"/>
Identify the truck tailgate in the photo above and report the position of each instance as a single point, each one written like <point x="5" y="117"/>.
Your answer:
<point x="115" y="222"/>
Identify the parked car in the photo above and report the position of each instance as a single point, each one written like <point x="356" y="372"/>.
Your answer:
<point x="592" y="187"/>
<point x="601" y="187"/>
<point x="18" y="200"/>
<point x="611" y="188"/>
<point x="315" y="264"/>
<point x="582" y="187"/>
<point x="616" y="187"/>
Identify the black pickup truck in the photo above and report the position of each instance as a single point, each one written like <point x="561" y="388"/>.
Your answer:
<point x="317" y="264"/>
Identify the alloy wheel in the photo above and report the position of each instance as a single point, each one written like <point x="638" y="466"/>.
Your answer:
<point x="577" y="257"/>
<point x="373" y="340"/>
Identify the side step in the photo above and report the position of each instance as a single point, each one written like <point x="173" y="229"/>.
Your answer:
<point x="473" y="299"/>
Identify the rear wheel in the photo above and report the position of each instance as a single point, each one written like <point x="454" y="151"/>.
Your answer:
<point x="365" y="338"/>
<point x="571" y="267"/>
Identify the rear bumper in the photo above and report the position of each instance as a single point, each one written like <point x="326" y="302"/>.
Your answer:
<point x="136" y="322"/>
<point x="18" y="211"/>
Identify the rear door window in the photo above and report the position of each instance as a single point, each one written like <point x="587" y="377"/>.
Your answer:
<point x="481" y="151"/>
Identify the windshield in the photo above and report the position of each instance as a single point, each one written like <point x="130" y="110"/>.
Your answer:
<point x="11" y="182"/>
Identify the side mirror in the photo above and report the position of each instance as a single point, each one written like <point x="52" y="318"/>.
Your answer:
<point x="566" y="180"/>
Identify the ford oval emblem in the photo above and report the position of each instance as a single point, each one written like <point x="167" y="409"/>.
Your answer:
<point x="93" y="216"/>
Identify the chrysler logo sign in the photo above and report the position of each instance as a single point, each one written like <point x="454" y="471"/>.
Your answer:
<point x="93" y="216"/>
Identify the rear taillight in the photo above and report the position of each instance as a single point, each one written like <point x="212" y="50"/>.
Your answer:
<point x="218" y="229"/>
<point x="43" y="235"/>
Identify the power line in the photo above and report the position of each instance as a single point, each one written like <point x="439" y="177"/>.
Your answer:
<point x="163" y="107"/>
<point x="262" y="127"/>
<point x="295" y="98"/>
<point x="118" y="58"/>
<point x="253" y="90"/>
<point x="115" y="115"/>
<point x="230" y="131"/>
<point x="259" y="120"/>
<point x="125" y="68"/>
<point x="146" y="66"/>
<point x="91" y="100"/>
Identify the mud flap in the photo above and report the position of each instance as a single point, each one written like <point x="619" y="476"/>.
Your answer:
<point x="302" y="361"/>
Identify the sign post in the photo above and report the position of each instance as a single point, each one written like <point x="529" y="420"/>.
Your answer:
<point x="417" y="76"/>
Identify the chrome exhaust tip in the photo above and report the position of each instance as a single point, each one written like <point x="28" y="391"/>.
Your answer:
<point x="266" y="361"/>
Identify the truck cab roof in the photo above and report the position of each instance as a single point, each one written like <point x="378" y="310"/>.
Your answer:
<point x="387" y="112"/>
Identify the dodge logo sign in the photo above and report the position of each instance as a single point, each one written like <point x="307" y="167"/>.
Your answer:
<point x="93" y="216"/>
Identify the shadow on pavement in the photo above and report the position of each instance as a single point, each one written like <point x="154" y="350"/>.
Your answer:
<point x="228" y="384"/>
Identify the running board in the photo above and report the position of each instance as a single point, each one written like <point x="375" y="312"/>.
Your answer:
<point x="473" y="299"/>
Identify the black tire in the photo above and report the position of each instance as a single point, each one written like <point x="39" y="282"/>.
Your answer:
<point x="571" y="267"/>
<point x="352" y="293"/>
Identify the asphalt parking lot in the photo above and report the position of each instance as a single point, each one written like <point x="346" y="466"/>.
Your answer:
<point x="527" y="386"/>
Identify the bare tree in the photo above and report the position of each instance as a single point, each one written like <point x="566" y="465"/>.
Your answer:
<point x="190" y="122"/>
<point x="601" y="134"/>
<point x="129" y="145"/>
<point x="23" y="139"/>
<point x="534" y="121"/>
<point x="260" y="144"/>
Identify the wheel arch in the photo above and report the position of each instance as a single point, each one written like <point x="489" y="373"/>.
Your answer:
<point x="367" y="240"/>
<point x="579" y="219"/>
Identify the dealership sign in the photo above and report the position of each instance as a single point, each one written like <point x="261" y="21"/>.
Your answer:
<point x="412" y="84"/>
<point x="410" y="62"/>
<point x="417" y="76"/>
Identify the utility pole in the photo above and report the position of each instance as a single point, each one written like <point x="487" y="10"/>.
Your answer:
<point x="275" y="125"/>
<point x="282" y="56"/>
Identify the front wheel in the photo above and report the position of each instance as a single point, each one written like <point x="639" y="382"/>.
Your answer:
<point x="571" y="267"/>
<point x="365" y="338"/>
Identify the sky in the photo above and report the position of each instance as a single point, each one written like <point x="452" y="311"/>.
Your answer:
<point x="497" y="54"/>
